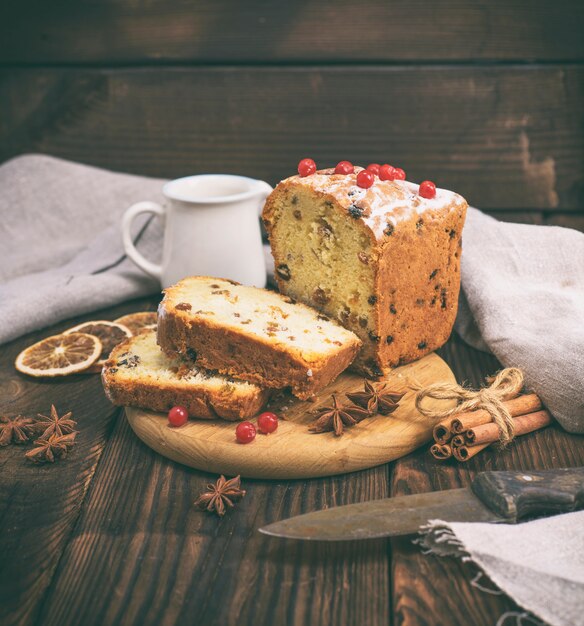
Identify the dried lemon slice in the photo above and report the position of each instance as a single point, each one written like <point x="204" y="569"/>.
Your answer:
<point x="139" y="322"/>
<point x="59" y="355"/>
<point x="109" y="333"/>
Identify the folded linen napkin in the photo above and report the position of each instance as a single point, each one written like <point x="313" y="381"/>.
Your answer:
<point x="539" y="564"/>
<point x="62" y="255"/>
<point x="523" y="299"/>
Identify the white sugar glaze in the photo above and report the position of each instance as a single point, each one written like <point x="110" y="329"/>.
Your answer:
<point x="384" y="202"/>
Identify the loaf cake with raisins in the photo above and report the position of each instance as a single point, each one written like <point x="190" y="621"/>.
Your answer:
<point x="383" y="261"/>
<point x="138" y="373"/>
<point x="254" y="334"/>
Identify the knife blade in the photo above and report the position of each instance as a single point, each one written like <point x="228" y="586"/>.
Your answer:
<point x="493" y="497"/>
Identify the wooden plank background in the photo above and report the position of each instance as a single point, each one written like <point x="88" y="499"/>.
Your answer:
<point x="283" y="31"/>
<point x="505" y="138"/>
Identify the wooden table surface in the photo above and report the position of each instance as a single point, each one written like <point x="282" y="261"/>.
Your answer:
<point x="109" y="534"/>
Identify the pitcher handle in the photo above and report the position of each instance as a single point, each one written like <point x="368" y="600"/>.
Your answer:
<point x="264" y="190"/>
<point x="144" y="264"/>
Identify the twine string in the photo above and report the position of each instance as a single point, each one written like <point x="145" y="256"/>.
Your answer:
<point x="505" y="385"/>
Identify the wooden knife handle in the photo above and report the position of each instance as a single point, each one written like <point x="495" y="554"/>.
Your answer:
<point x="515" y="495"/>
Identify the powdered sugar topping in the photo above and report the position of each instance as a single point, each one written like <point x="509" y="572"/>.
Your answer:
<point x="385" y="202"/>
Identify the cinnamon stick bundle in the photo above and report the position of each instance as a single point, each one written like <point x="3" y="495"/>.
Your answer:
<point x="466" y="434"/>
<point x="489" y="433"/>
<point x="518" y="406"/>
<point x="446" y="429"/>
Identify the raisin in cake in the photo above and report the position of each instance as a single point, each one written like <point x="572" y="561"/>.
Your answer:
<point x="138" y="373"/>
<point x="383" y="261"/>
<point x="254" y="334"/>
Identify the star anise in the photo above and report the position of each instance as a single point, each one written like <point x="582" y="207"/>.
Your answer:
<point x="335" y="417"/>
<point x="221" y="494"/>
<point x="376" y="400"/>
<point x="17" y="429"/>
<point x="55" y="425"/>
<point x="55" y="447"/>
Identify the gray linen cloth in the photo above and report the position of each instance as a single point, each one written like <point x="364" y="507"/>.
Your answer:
<point x="60" y="241"/>
<point x="523" y="286"/>
<point x="523" y="300"/>
<point x="539" y="564"/>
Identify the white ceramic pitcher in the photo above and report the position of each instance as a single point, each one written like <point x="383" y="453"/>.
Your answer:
<point x="211" y="229"/>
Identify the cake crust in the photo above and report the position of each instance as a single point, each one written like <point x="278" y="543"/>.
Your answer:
<point x="411" y="245"/>
<point x="226" y="399"/>
<point x="234" y="349"/>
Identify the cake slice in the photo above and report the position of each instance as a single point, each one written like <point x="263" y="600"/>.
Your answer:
<point x="138" y="373"/>
<point x="383" y="261"/>
<point x="254" y="334"/>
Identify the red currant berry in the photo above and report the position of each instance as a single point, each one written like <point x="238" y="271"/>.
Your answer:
<point x="427" y="189"/>
<point x="373" y="168"/>
<point x="365" y="179"/>
<point x="177" y="416"/>
<point x="387" y="172"/>
<point x="344" y="167"/>
<point x="399" y="173"/>
<point x="267" y="423"/>
<point x="306" y="167"/>
<point x="245" y="432"/>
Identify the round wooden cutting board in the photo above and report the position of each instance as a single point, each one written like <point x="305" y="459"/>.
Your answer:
<point x="292" y="451"/>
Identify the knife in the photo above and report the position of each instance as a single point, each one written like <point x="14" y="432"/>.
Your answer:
<point x="497" y="497"/>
